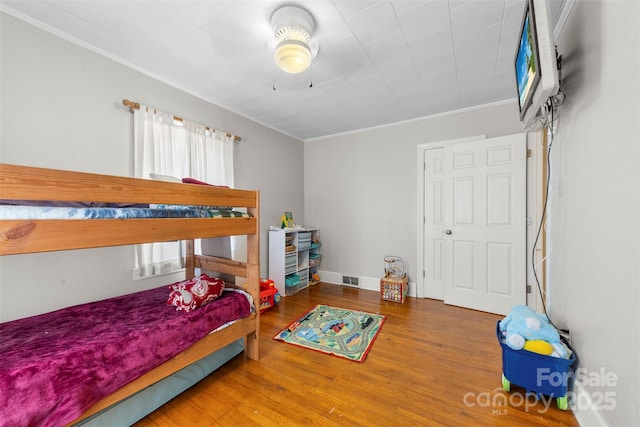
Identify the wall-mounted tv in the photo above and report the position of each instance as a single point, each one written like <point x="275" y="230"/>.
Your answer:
<point x="535" y="63"/>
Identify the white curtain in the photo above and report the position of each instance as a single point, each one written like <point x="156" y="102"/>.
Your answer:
<point x="176" y="149"/>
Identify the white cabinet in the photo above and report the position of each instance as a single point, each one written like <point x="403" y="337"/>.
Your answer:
<point x="294" y="257"/>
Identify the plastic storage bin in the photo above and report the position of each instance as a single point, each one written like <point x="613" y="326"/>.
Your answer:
<point x="304" y="240"/>
<point x="290" y="263"/>
<point x="535" y="372"/>
<point x="292" y="284"/>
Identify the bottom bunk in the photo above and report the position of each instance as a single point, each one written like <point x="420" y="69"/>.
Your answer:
<point x="134" y="408"/>
<point x="93" y="355"/>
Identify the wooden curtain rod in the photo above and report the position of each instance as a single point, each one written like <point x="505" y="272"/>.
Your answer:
<point x="136" y="106"/>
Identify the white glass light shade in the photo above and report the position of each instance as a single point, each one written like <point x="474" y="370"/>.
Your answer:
<point x="292" y="56"/>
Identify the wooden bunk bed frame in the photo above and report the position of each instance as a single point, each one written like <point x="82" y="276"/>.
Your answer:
<point x="30" y="236"/>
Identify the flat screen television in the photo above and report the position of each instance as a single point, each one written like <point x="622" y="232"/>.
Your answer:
<point x="535" y="63"/>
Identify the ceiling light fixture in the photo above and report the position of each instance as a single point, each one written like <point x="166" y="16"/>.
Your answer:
<point x="293" y="27"/>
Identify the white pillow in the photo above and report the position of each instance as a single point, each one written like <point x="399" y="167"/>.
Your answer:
<point x="165" y="178"/>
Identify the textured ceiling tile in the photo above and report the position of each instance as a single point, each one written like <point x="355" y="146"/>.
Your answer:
<point x="104" y="17"/>
<point x="432" y="46"/>
<point x="373" y="22"/>
<point x="482" y="40"/>
<point x="378" y="60"/>
<point x="402" y="6"/>
<point x="441" y="65"/>
<point x="351" y="7"/>
<point x="513" y="17"/>
<point x="424" y="20"/>
<point x="389" y="46"/>
<point x="397" y="67"/>
<point x="472" y="63"/>
<point x="361" y="69"/>
<point x="372" y="85"/>
<point x="509" y="44"/>
<point x="473" y="16"/>
<point x="415" y="107"/>
<point x="153" y="12"/>
<point x="324" y="71"/>
<point x="176" y="31"/>
<point x="442" y="82"/>
<point x="48" y="13"/>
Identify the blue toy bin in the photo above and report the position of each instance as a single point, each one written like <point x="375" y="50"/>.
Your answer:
<point x="535" y="372"/>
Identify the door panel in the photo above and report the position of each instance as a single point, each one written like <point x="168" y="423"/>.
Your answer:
<point x="485" y="228"/>
<point x="463" y="203"/>
<point x="462" y="265"/>
<point x="499" y="261"/>
<point x="434" y="223"/>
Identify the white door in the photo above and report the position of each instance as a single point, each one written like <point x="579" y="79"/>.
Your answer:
<point x="476" y="255"/>
<point x="434" y="222"/>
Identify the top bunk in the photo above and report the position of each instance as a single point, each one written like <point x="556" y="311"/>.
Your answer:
<point x="76" y="210"/>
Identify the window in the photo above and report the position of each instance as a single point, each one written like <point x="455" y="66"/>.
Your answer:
<point x="176" y="148"/>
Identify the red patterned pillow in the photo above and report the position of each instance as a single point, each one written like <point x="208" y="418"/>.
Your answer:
<point x="191" y="294"/>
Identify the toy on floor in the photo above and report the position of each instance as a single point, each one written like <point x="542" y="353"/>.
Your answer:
<point x="269" y="295"/>
<point x="394" y="266"/>
<point x="523" y="324"/>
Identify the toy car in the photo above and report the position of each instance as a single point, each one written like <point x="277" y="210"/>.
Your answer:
<point x="269" y="295"/>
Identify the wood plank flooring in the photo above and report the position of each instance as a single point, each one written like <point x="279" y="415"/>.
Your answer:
<point x="432" y="364"/>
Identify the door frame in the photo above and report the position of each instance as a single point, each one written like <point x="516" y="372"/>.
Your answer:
<point x="537" y="146"/>
<point x="420" y="167"/>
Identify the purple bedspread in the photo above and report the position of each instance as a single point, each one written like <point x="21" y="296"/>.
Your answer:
<point x="55" y="366"/>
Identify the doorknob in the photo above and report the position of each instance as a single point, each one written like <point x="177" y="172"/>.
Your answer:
<point x="448" y="232"/>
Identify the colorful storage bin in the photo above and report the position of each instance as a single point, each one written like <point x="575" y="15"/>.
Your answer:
<point x="535" y="372"/>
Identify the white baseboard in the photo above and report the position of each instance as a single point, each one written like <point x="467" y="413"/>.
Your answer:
<point x="366" y="283"/>
<point x="330" y="277"/>
<point x="584" y="409"/>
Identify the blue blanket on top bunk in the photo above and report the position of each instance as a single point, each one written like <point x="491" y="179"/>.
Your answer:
<point x="152" y="211"/>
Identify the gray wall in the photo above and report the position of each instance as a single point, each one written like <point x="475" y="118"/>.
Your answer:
<point x="361" y="188"/>
<point x="595" y="229"/>
<point x="61" y="108"/>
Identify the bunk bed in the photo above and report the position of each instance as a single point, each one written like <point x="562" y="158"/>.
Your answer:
<point x="207" y="217"/>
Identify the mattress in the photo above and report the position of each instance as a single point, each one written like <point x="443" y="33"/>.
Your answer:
<point x="128" y="411"/>
<point x="153" y="211"/>
<point x="56" y="365"/>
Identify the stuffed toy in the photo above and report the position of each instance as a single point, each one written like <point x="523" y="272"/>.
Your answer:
<point x="523" y="324"/>
<point x="539" y="346"/>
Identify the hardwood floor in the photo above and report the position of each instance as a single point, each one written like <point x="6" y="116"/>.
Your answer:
<point x="431" y="364"/>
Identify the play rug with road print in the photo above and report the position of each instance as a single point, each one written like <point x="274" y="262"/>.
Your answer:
<point x="344" y="333"/>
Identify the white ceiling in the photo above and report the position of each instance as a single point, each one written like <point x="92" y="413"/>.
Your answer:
<point x="379" y="62"/>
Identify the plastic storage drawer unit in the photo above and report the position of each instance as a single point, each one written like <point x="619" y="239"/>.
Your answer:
<point x="535" y="372"/>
